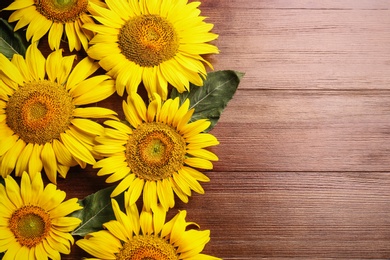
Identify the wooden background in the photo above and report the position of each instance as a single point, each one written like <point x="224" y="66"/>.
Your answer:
<point x="304" y="166"/>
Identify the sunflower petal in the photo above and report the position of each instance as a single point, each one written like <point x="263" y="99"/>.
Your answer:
<point x="49" y="161"/>
<point x="77" y="149"/>
<point x="55" y="34"/>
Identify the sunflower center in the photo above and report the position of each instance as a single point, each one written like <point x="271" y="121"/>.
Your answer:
<point x="39" y="111"/>
<point x="30" y="225"/>
<point x="148" y="40"/>
<point x="147" y="248"/>
<point x="61" y="11"/>
<point x="155" y="150"/>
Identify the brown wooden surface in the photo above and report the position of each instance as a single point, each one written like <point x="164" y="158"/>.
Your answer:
<point x="304" y="166"/>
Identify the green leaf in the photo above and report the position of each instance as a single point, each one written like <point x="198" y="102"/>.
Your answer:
<point x="11" y="42"/>
<point x="211" y="99"/>
<point x="97" y="210"/>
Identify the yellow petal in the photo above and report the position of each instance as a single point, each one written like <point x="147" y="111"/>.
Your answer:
<point x="136" y="189"/>
<point x="13" y="191"/>
<point x="88" y="126"/>
<point x="81" y="37"/>
<point x="55" y="35"/>
<point x="178" y="191"/>
<point x="181" y="113"/>
<point x="116" y="229"/>
<point x="21" y="64"/>
<point x="159" y="214"/>
<point x="98" y="248"/>
<point x="53" y="65"/>
<point x="71" y="35"/>
<point x="194" y="128"/>
<point x="23" y="160"/>
<point x="50" y="251"/>
<point x="94" y="112"/>
<point x="23" y="253"/>
<point x="65" y="69"/>
<point x="199" y="163"/>
<point x="119" y="174"/>
<point x="8" y="161"/>
<point x="154" y="108"/>
<point x="123" y="185"/>
<point x="101" y="91"/>
<point x="11" y="252"/>
<point x="25" y="16"/>
<point x="63" y="155"/>
<point x="121" y="8"/>
<point x="87" y="85"/>
<point x="7" y="144"/>
<point x="193" y="242"/>
<point x="165" y="194"/>
<point x="35" y="164"/>
<point x="113" y="61"/>
<point x="81" y="71"/>
<point x="36" y="188"/>
<point x="65" y="208"/>
<point x="38" y="27"/>
<point x="192" y="182"/>
<point x="146" y="222"/>
<point x="35" y="62"/>
<point x="77" y="149"/>
<point x="138" y="105"/>
<point x="124" y="219"/>
<point x="19" y="4"/>
<point x="201" y="140"/>
<point x="202" y="153"/>
<point x="106" y="16"/>
<point x="10" y="70"/>
<point x="26" y="189"/>
<point x="178" y="227"/>
<point x="150" y="195"/>
<point x="119" y="126"/>
<point x="181" y="184"/>
<point x="49" y="161"/>
<point x="131" y="114"/>
<point x="109" y="149"/>
<point x="163" y="116"/>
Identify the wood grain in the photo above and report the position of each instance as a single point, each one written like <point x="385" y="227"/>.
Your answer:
<point x="304" y="169"/>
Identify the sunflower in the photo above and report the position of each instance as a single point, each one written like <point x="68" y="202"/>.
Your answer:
<point x="33" y="219"/>
<point x="146" y="236"/>
<point x="157" y="153"/>
<point x="54" y="16"/>
<point x="154" y="42"/>
<point x="42" y="125"/>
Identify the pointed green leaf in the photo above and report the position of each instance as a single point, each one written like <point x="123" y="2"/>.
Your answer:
<point x="97" y="210"/>
<point x="211" y="99"/>
<point x="11" y="42"/>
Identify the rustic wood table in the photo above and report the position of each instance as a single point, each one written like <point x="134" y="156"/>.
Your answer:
<point x="304" y="167"/>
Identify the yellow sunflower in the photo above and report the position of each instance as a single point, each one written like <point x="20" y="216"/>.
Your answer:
<point x="54" y="16"/>
<point x="154" y="42"/>
<point x="158" y="153"/>
<point x="146" y="236"/>
<point x="42" y="125"/>
<point x="33" y="219"/>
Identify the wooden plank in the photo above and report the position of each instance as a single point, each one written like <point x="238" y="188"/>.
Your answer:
<point x="285" y="214"/>
<point x="304" y="153"/>
<point x="305" y="49"/>
<point x="298" y="4"/>
<point x="305" y="131"/>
